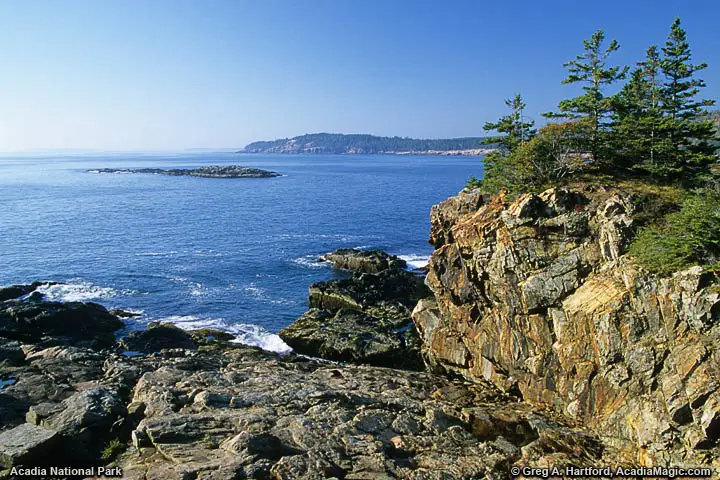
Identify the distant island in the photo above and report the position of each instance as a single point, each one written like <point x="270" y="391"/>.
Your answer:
<point x="338" y="143"/>
<point x="214" y="171"/>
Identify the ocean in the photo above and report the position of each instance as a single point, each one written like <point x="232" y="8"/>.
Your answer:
<point x="235" y="254"/>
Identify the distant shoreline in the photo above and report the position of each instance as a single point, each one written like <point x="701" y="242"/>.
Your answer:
<point x="474" y="152"/>
<point x="364" y="144"/>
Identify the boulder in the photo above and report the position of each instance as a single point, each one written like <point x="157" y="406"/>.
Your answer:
<point x="17" y="291"/>
<point x="71" y="322"/>
<point x="386" y="339"/>
<point x="84" y="421"/>
<point x="27" y="445"/>
<point x="366" y="261"/>
<point x="156" y="337"/>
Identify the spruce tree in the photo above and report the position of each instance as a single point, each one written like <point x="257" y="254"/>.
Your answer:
<point x="690" y="139"/>
<point x="503" y="170"/>
<point x="516" y="131"/>
<point x="638" y="123"/>
<point x="591" y="69"/>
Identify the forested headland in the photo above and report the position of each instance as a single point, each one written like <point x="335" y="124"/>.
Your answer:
<point x="645" y="127"/>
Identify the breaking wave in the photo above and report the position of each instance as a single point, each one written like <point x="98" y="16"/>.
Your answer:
<point x="415" y="262"/>
<point x="80" y="292"/>
<point x="247" y="334"/>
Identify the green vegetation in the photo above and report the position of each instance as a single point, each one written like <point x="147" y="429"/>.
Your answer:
<point x="594" y="107"/>
<point x="339" y="143"/>
<point x="113" y="448"/>
<point x="688" y="237"/>
<point x="655" y="132"/>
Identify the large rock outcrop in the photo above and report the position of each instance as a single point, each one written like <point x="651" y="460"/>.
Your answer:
<point x="35" y="320"/>
<point x="536" y="295"/>
<point x="364" y="318"/>
<point x="366" y="261"/>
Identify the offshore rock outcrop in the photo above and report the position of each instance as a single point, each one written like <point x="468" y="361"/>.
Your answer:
<point x="364" y="318"/>
<point x="536" y="296"/>
<point x="365" y="261"/>
<point x="212" y="171"/>
<point x="221" y="410"/>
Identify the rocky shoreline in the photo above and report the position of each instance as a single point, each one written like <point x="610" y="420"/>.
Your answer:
<point x="534" y="341"/>
<point x="213" y="171"/>
<point x="196" y="405"/>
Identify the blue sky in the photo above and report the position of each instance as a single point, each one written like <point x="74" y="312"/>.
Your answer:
<point x="175" y="74"/>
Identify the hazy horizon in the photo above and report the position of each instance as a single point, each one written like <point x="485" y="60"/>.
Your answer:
<point x="174" y="76"/>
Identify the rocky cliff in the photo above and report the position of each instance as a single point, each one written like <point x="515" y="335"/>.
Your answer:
<point x="537" y="296"/>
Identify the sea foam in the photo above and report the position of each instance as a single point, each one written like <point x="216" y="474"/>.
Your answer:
<point x="80" y="292"/>
<point x="311" y="261"/>
<point x="247" y="334"/>
<point x="415" y="262"/>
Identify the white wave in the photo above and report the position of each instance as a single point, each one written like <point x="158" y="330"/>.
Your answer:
<point x="257" y="336"/>
<point x="197" y="289"/>
<point x="155" y="254"/>
<point x="247" y="334"/>
<point x="311" y="261"/>
<point x="134" y="311"/>
<point x="80" y="292"/>
<point x="416" y="261"/>
<point x="209" y="254"/>
<point x="259" y="293"/>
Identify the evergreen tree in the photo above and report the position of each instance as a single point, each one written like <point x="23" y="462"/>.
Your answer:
<point x="503" y="170"/>
<point x="591" y="69"/>
<point x="512" y="125"/>
<point x="690" y="139"/>
<point x="638" y="122"/>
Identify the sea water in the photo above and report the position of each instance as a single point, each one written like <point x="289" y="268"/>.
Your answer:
<point x="234" y="254"/>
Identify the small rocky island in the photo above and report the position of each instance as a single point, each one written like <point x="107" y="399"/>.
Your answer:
<point x="212" y="171"/>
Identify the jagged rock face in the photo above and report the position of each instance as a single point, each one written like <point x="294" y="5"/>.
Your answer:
<point x="364" y="318"/>
<point x="536" y="295"/>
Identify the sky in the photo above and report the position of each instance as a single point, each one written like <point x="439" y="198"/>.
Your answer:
<point x="177" y="74"/>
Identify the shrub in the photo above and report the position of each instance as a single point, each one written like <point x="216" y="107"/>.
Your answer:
<point x="112" y="449"/>
<point x="688" y="237"/>
<point x="553" y="155"/>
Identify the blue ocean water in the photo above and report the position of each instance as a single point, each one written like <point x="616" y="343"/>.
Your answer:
<point x="238" y="254"/>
